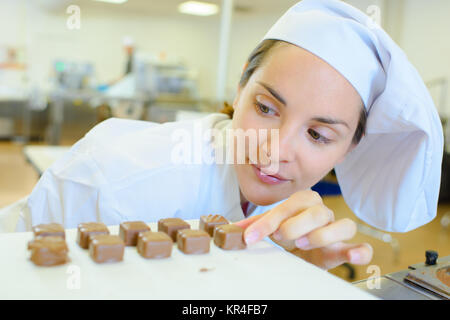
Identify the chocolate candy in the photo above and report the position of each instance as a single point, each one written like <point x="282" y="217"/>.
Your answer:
<point x="171" y="226"/>
<point x="50" y="229"/>
<point x="154" y="245"/>
<point x="129" y="231"/>
<point x="210" y="222"/>
<point x="229" y="237"/>
<point x="48" y="250"/>
<point x="193" y="241"/>
<point x="87" y="229"/>
<point x="106" y="248"/>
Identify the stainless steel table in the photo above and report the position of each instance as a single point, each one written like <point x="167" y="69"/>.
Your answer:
<point x="393" y="286"/>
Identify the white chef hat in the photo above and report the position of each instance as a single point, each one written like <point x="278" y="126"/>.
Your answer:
<point x="391" y="179"/>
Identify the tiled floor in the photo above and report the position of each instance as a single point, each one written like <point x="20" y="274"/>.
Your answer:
<point x="17" y="178"/>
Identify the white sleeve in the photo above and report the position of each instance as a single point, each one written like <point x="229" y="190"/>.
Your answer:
<point x="58" y="197"/>
<point x="121" y="170"/>
<point x="73" y="189"/>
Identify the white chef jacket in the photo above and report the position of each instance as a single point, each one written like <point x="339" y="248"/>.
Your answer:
<point x="122" y="170"/>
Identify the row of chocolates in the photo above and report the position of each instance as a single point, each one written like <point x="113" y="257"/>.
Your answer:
<point x="50" y="248"/>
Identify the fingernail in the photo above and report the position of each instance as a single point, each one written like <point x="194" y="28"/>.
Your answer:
<point x="301" y="243"/>
<point x="276" y="235"/>
<point x="251" y="237"/>
<point x="355" y="257"/>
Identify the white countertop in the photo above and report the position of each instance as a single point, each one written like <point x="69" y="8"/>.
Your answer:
<point x="262" y="271"/>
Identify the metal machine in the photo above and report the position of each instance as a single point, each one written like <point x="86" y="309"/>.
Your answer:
<point x="421" y="281"/>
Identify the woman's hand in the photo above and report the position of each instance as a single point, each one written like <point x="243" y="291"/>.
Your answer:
<point x="304" y="226"/>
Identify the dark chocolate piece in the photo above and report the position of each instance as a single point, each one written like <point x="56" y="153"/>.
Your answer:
<point x="154" y="245"/>
<point x="87" y="229"/>
<point x="50" y="229"/>
<point x="129" y="231"/>
<point x="229" y="237"/>
<point x="171" y="226"/>
<point x="48" y="250"/>
<point x="106" y="248"/>
<point x="193" y="241"/>
<point x="210" y="222"/>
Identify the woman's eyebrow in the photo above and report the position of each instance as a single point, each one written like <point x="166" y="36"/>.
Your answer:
<point x="273" y="92"/>
<point x="318" y="119"/>
<point x="330" y="121"/>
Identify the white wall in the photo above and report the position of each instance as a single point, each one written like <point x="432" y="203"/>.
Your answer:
<point x="426" y="40"/>
<point x="195" y="39"/>
<point x="100" y="40"/>
<point x="420" y="27"/>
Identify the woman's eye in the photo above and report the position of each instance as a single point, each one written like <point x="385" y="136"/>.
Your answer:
<point x="314" y="134"/>
<point x="262" y="108"/>
<point x="317" y="136"/>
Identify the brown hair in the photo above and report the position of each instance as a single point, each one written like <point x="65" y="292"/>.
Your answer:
<point x="256" y="59"/>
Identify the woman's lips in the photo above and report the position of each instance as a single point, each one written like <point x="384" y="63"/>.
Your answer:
<point x="269" y="179"/>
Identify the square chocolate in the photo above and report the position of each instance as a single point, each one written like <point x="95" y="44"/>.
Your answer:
<point x="48" y="250"/>
<point x="229" y="237"/>
<point x="171" y="226"/>
<point x="210" y="222"/>
<point x="154" y="245"/>
<point x="129" y="231"/>
<point x="106" y="248"/>
<point x="49" y="229"/>
<point x="87" y="229"/>
<point x="193" y="241"/>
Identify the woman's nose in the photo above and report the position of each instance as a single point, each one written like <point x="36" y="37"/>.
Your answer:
<point x="287" y="143"/>
<point x="281" y="145"/>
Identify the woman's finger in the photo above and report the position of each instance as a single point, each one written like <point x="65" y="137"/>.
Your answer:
<point x="360" y="255"/>
<point x="302" y="224"/>
<point x="244" y="223"/>
<point x="336" y="254"/>
<point x="296" y="203"/>
<point x="341" y="252"/>
<point x="341" y="230"/>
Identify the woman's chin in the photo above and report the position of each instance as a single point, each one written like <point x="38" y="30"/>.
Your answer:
<point x="258" y="192"/>
<point x="261" y="197"/>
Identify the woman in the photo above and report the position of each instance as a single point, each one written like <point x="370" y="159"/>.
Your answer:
<point x="335" y="91"/>
<point x="317" y="128"/>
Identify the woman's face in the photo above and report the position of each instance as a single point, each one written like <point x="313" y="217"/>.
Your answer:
<point x="316" y="112"/>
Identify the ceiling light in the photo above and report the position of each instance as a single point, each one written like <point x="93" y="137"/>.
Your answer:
<point x="198" y="8"/>
<point x="112" y="1"/>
